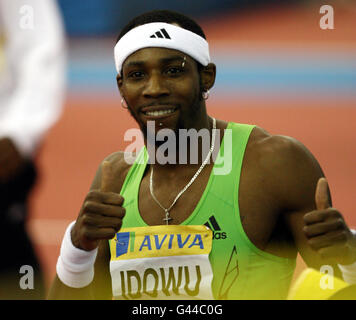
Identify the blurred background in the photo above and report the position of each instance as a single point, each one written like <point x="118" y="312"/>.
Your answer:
<point x="275" y="68"/>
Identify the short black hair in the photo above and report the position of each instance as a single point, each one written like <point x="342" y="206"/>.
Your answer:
<point x="167" y="16"/>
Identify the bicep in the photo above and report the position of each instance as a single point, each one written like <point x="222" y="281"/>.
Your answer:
<point x="299" y="177"/>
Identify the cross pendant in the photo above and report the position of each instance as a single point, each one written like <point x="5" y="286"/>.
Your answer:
<point x="167" y="218"/>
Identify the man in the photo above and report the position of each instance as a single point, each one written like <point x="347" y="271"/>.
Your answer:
<point x="31" y="98"/>
<point x="233" y="235"/>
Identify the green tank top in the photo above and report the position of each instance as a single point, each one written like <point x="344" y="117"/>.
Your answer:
<point x="240" y="269"/>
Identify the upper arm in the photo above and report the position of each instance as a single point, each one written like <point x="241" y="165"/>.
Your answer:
<point x="297" y="172"/>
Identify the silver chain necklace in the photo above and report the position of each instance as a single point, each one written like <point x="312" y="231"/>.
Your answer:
<point x="166" y="210"/>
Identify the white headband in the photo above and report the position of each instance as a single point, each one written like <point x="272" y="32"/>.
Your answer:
<point x="165" y="35"/>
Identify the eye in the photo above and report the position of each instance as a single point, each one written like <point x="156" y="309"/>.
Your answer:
<point x="174" y="70"/>
<point x="135" y="75"/>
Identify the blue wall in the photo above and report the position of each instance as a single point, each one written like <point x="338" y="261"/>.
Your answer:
<point x="97" y="17"/>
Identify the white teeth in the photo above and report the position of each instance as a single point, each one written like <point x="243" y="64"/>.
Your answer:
<point x="159" y="112"/>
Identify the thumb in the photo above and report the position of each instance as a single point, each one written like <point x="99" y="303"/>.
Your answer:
<point x="107" y="177"/>
<point x="322" y="200"/>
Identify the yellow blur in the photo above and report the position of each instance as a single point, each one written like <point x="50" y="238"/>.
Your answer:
<point x="314" y="285"/>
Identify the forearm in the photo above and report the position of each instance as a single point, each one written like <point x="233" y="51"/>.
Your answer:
<point x="59" y="291"/>
<point x="83" y="267"/>
<point x="81" y="275"/>
<point x="349" y="271"/>
<point x="75" y="271"/>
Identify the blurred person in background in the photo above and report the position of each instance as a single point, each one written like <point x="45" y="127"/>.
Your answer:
<point x="32" y="74"/>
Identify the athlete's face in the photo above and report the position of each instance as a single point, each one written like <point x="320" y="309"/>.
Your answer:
<point x="162" y="85"/>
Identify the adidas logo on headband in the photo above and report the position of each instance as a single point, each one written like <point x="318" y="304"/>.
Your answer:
<point x="161" y="34"/>
<point x="155" y="35"/>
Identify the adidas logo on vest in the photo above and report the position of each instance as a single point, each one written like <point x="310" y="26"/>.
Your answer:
<point x="161" y="34"/>
<point x="213" y="225"/>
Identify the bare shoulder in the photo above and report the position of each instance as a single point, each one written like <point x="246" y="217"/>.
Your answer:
<point x="120" y="162"/>
<point x="278" y="149"/>
<point x="263" y="141"/>
<point x="288" y="168"/>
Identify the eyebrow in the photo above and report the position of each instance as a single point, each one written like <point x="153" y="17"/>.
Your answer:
<point x="163" y="60"/>
<point x="171" y="59"/>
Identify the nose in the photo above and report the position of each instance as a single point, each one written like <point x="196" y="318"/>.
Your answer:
<point x="155" y="87"/>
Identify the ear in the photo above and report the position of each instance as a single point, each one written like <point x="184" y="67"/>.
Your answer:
<point x="207" y="76"/>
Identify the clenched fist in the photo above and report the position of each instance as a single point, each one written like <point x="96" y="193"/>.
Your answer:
<point x="326" y="230"/>
<point x="101" y="214"/>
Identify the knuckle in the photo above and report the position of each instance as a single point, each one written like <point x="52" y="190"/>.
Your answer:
<point x="119" y="212"/>
<point x="84" y="232"/>
<point x="92" y="194"/>
<point x="110" y="234"/>
<point x="122" y="212"/>
<point x="334" y="213"/>
<point x="87" y="205"/>
<point x="306" y="230"/>
<point x="322" y="216"/>
<point x="339" y="222"/>
<point x="306" y="217"/>
<point x="86" y="220"/>
<point x="119" y="198"/>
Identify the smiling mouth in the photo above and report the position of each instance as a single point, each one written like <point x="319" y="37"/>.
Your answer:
<point x="161" y="112"/>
